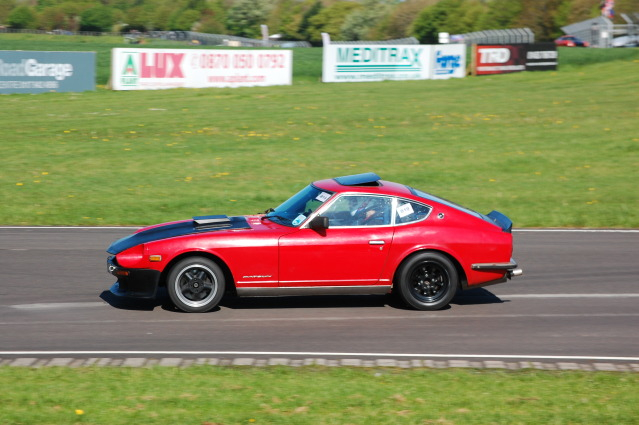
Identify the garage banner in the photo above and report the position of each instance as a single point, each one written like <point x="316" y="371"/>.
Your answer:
<point x="150" y="69"/>
<point x="39" y="72"/>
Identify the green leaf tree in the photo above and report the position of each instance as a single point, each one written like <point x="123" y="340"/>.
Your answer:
<point x="22" y="17"/>
<point x="330" y="20"/>
<point x="305" y="23"/>
<point x="359" y="24"/>
<point x="212" y="22"/>
<point x="465" y="18"/>
<point x="245" y="17"/>
<point x="5" y="8"/>
<point x="580" y="10"/>
<point x="98" y="18"/>
<point x="52" y="17"/>
<point x="399" y="21"/>
<point x="501" y="14"/>
<point x="184" y="20"/>
<point x="540" y="16"/>
<point x="160" y="18"/>
<point x="432" y="20"/>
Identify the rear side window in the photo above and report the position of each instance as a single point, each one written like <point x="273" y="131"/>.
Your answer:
<point x="410" y="212"/>
<point x="446" y="202"/>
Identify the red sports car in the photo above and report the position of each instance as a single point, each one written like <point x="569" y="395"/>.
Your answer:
<point x="571" y="41"/>
<point x="348" y="235"/>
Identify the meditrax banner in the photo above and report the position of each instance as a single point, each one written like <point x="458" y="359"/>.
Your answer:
<point x="39" y="72"/>
<point x="374" y="62"/>
<point x="377" y="62"/>
<point x="149" y="69"/>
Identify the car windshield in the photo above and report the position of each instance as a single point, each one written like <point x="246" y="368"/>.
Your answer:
<point x="297" y="209"/>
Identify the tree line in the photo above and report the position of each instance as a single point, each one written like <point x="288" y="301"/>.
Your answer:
<point x="306" y="19"/>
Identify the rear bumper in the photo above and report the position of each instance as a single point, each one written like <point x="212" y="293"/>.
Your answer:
<point x="508" y="271"/>
<point x="135" y="283"/>
<point x="511" y="269"/>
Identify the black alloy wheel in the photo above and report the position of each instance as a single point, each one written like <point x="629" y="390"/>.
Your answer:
<point x="428" y="281"/>
<point x="196" y="284"/>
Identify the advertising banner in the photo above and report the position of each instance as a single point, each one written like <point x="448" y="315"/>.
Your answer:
<point x="499" y="59"/>
<point x="375" y="62"/>
<point x="541" y="57"/>
<point x="151" y="69"/>
<point x="39" y="72"/>
<point x="449" y="61"/>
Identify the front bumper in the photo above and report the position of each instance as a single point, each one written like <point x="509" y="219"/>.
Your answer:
<point x="136" y="283"/>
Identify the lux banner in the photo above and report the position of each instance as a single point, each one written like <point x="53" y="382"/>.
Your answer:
<point x="150" y="69"/>
<point x="39" y="72"/>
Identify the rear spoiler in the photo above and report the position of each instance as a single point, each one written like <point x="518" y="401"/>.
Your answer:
<point x="500" y="220"/>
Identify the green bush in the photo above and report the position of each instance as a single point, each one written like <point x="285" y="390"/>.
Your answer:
<point x="22" y="17"/>
<point x="98" y="19"/>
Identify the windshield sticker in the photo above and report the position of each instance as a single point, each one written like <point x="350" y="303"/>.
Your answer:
<point x="322" y="197"/>
<point x="404" y="210"/>
<point x="298" y="220"/>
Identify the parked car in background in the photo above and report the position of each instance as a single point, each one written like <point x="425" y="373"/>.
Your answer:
<point x="571" y="41"/>
<point x="626" y="41"/>
<point x="347" y="235"/>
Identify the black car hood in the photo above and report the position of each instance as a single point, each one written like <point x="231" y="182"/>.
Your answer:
<point x="171" y="230"/>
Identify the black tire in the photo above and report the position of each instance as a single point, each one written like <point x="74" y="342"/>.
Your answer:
<point x="427" y="281"/>
<point x="195" y="284"/>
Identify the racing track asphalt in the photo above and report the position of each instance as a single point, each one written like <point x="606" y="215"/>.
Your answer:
<point x="577" y="302"/>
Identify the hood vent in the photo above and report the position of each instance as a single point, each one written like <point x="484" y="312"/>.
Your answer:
<point x="209" y="221"/>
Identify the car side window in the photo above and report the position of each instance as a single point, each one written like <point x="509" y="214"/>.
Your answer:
<point x="360" y="210"/>
<point x="409" y="212"/>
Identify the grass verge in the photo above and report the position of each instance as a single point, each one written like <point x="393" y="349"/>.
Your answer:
<point x="225" y="395"/>
<point x="549" y="149"/>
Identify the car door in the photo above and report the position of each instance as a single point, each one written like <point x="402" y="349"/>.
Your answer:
<point x="351" y="252"/>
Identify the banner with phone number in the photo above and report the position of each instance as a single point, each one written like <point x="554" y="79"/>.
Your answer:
<point x="151" y="69"/>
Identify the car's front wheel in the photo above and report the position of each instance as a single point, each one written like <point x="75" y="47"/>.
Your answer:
<point x="427" y="281"/>
<point x="195" y="284"/>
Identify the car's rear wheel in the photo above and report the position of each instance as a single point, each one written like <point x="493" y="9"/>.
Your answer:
<point x="195" y="284"/>
<point x="427" y="281"/>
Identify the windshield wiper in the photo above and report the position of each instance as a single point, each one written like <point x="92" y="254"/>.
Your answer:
<point x="275" y="216"/>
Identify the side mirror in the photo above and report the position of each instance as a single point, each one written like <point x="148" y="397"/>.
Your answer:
<point x="319" y="223"/>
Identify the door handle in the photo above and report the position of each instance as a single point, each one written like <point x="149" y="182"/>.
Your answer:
<point x="376" y="242"/>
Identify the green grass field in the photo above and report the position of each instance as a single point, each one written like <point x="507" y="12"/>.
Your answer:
<point x="314" y="396"/>
<point x="549" y="149"/>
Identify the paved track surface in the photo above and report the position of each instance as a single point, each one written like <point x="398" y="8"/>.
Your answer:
<point x="576" y="303"/>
